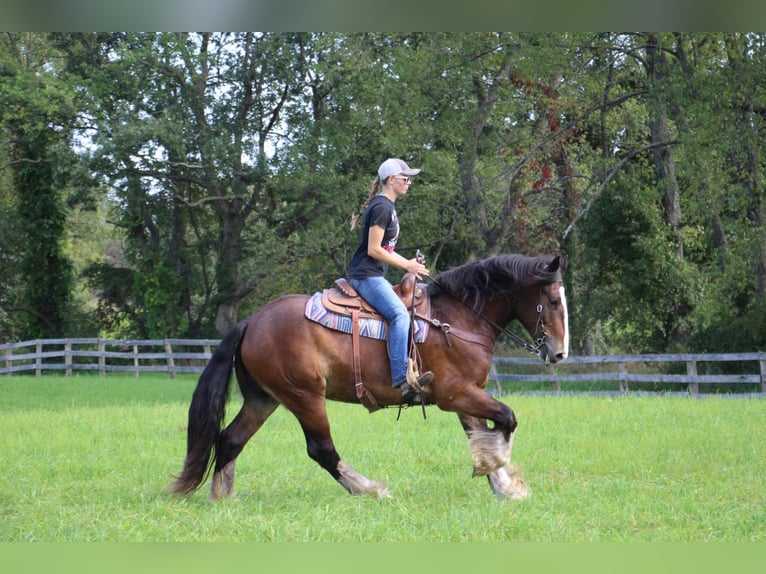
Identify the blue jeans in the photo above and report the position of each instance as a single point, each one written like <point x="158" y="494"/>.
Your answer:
<point x="379" y="293"/>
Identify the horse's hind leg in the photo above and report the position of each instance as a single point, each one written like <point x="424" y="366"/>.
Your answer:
<point x="256" y="408"/>
<point x="320" y="447"/>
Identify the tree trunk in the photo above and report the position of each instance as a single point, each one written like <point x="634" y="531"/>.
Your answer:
<point x="664" y="164"/>
<point x="757" y="216"/>
<point x="233" y="220"/>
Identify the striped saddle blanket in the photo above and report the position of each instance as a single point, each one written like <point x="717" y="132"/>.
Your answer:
<point x="333" y="309"/>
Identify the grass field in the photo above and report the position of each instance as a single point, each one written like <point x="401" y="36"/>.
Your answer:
<point x="90" y="459"/>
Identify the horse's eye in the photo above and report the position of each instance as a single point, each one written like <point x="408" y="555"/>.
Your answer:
<point x="554" y="303"/>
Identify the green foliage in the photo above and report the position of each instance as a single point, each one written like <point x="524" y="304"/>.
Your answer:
<point x="37" y="114"/>
<point x="10" y="249"/>
<point x="232" y="163"/>
<point x="624" y="264"/>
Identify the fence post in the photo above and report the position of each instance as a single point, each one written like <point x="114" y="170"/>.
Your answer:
<point x="555" y="384"/>
<point x="622" y="368"/>
<point x="68" y="358"/>
<point x="493" y="375"/>
<point x="39" y="358"/>
<point x="171" y="362"/>
<point x="763" y="376"/>
<point x="135" y="358"/>
<point x="691" y="370"/>
<point x="9" y="360"/>
<point x="101" y="358"/>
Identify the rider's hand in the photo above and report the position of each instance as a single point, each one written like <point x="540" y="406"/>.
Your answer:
<point x="417" y="268"/>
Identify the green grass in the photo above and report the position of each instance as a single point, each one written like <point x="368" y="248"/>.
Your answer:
<point x="90" y="459"/>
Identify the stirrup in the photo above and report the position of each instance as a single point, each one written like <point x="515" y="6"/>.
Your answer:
<point x="415" y="379"/>
<point x="409" y="395"/>
<point x="412" y="390"/>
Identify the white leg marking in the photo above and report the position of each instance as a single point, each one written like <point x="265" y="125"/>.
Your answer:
<point x="357" y="484"/>
<point x="489" y="450"/>
<point x="507" y="482"/>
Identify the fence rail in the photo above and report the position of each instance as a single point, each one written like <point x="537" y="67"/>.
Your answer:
<point x="190" y="356"/>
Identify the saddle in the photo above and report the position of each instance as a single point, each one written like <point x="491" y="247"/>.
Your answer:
<point x="344" y="300"/>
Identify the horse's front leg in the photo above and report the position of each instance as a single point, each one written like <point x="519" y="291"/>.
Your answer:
<point x="490" y="447"/>
<point x="491" y="450"/>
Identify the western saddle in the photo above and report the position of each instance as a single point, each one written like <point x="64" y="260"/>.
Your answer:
<point x="345" y="300"/>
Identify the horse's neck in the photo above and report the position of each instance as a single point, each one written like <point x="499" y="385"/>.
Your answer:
<point x="498" y="313"/>
<point x="485" y="322"/>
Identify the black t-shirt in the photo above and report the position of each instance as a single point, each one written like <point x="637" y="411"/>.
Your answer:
<point x="380" y="212"/>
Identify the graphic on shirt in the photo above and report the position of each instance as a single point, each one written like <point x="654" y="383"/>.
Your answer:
<point x="394" y="226"/>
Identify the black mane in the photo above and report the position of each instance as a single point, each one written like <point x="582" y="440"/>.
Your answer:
<point x="478" y="282"/>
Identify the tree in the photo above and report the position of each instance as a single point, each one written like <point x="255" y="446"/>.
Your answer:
<point x="233" y="163"/>
<point x="198" y="136"/>
<point x="37" y="113"/>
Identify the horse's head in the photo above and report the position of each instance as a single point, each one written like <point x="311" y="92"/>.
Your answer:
<point x="544" y="314"/>
<point x="514" y="287"/>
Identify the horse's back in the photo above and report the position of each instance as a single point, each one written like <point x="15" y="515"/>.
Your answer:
<point x="279" y="325"/>
<point x="282" y="349"/>
<point x="287" y="353"/>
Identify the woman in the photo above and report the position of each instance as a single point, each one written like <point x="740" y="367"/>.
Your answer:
<point x="367" y="270"/>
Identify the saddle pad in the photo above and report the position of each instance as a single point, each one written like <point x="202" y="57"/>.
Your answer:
<point x="370" y="328"/>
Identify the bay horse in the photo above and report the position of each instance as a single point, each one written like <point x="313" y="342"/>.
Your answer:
<point x="282" y="358"/>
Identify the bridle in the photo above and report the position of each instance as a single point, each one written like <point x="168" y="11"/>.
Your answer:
<point x="540" y="328"/>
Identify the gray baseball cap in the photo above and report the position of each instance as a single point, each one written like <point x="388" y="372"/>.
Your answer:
<point x="393" y="166"/>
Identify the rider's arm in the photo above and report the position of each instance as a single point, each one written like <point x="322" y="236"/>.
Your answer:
<point x="377" y="251"/>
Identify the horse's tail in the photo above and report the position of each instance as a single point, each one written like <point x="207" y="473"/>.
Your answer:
<point x="206" y="413"/>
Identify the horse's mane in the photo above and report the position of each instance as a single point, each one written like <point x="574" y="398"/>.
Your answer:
<point x="477" y="282"/>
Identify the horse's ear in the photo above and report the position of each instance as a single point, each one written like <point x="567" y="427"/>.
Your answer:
<point x="558" y="264"/>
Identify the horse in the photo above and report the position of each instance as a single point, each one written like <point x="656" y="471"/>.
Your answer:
<point x="282" y="358"/>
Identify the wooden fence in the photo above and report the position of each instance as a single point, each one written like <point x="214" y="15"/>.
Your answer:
<point x="626" y="369"/>
<point x="190" y="356"/>
<point x="168" y="355"/>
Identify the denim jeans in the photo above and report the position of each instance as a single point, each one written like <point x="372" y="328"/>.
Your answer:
<point x="379" y="293"/>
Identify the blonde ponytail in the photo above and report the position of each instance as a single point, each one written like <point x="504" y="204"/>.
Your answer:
<point x="374" y="190"/>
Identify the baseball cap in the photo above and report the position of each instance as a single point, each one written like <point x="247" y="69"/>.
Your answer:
<point x="393" y="166"/>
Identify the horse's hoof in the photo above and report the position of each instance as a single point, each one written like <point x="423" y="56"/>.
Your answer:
<point x="507" y="483"/>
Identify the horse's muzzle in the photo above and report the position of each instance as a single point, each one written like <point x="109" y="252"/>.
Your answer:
<point x="552" y="355"/>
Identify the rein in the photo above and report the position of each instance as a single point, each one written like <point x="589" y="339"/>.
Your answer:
<point x="539" y="341"/>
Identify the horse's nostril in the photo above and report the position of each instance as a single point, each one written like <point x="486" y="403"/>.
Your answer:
<point x="561" y="356"/>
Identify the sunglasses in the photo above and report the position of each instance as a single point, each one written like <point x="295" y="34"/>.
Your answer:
<point x="406" y="179"/>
